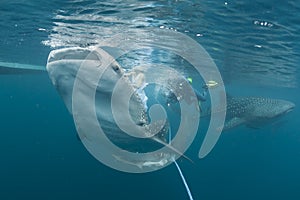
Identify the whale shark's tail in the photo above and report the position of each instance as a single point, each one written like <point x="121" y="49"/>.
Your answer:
<point x="19" y="68"/>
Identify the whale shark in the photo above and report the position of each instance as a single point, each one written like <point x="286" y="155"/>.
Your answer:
<point x="253" y="111"/>
<point x="63" y="66"/>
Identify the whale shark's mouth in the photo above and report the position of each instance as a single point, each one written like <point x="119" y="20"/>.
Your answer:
<point x="289" y="110"/>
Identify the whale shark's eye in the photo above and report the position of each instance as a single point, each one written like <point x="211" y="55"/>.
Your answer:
<point x="116" y="68"/>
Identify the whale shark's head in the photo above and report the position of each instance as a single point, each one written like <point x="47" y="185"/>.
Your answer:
<point x="283" y="107"/>
<point x="63" y="66"/>
<point x="272" y="108"/>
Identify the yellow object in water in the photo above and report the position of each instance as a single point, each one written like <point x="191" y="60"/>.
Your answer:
<point x="211" y="84"/>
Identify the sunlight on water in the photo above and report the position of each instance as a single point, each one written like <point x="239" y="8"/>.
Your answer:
<point x="253" y="44"/>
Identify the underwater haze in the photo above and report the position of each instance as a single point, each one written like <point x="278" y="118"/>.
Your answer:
<point x="255" y="45"/>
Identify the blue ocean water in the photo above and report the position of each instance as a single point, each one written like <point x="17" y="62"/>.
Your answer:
<point x="255" y="45"/>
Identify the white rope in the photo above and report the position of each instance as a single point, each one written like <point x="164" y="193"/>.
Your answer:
<point x="180" y="172"/>
<point x="184" y="181"/>
<point x="22" y="66"/>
